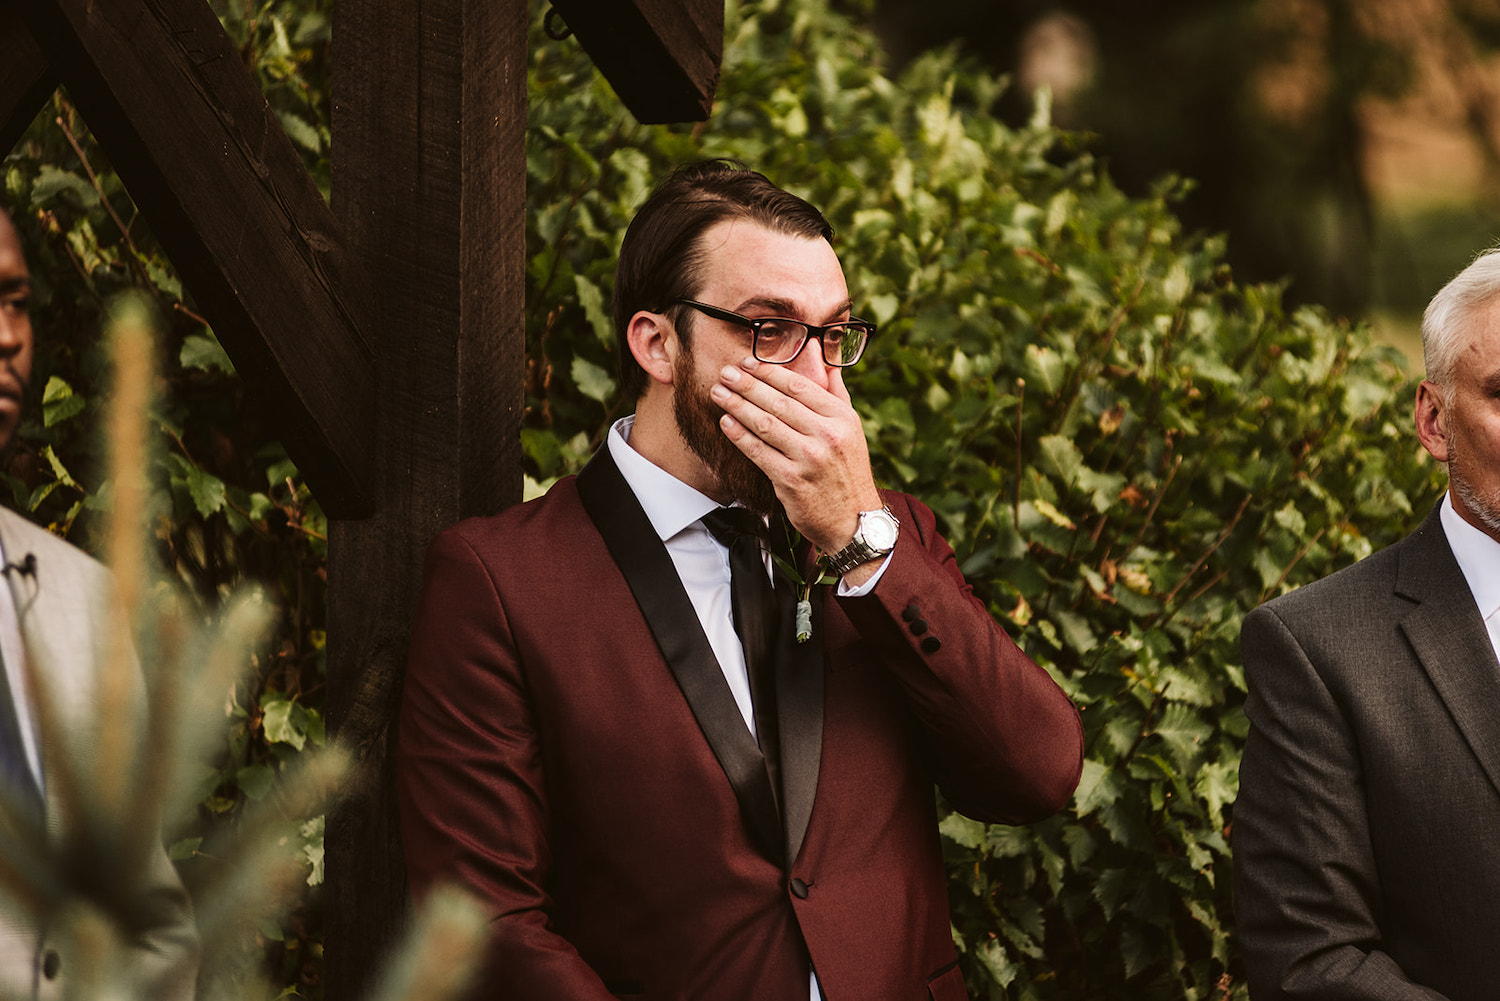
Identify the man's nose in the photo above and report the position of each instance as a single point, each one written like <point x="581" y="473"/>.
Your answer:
<point x="809" y="362"/>
<point x="12" y="332"/>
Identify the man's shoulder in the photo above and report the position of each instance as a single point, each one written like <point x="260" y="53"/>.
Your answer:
<point x="1353" y="593"/>
<point x="22" y="537"/>
<point x="556" y="515"/>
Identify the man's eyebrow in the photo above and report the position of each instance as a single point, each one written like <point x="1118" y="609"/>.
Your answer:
<point x="17" y="283"/>
<point x="784" y="307"/>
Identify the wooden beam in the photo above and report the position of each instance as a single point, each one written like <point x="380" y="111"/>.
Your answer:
<point x="209" y="165"/>
<point x="662" y="57"/>
<point x="26" y="78"/>
<point x="429" y="172"/>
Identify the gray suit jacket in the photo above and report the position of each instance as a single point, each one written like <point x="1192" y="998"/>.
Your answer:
<point x="1367" y="831"/>
<point x="61" y="611"/>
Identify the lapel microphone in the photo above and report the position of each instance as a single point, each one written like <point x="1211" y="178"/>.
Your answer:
<point x="25" y="567"/>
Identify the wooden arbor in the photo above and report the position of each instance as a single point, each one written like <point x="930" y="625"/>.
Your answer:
<point x="385" y="335"/>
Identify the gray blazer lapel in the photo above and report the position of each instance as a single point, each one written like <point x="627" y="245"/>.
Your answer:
<point x="1450" y="641"/>
<point x="60" y="598"/>
<point x="61" y="603"/>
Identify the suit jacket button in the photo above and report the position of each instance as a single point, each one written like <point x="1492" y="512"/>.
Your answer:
<point x="911" y="612"/>
<point x="51" y="964"/>
<point x="799" y="889"/>
<point x="931" y="645"/>
<point x="918" y="627"/>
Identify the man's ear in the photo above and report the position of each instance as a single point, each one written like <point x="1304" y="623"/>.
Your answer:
<point x="1432" y="422"/>
<point x="653" y="342"/>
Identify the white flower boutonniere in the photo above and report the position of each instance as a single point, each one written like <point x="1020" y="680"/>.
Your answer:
<point x="819" y="576"/>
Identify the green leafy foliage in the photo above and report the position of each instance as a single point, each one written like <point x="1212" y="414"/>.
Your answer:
<point x="1127" y="450"/>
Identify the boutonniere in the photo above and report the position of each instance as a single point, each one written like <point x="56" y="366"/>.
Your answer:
<point x="804" y="584"/>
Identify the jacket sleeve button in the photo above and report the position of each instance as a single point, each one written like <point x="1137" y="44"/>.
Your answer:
<point x="918" y="627"/>
<point x="910" y="612"/>
<point x="931" y="645"/>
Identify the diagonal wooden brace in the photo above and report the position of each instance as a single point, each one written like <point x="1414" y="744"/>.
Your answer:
<point x="230" y="200"/>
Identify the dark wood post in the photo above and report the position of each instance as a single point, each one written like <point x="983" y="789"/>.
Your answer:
<point x="429" y="187"/>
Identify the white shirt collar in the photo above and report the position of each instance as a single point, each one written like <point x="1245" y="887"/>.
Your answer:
<point x="1478" y="556"/>
<point x="670" y="504"/>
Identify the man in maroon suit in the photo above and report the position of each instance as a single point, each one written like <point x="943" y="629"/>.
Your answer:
<point x="611" y="730"/>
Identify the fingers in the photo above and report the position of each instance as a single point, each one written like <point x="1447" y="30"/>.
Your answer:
<point x="762" y="383"/>
<point x="770" y="415"/>
<point x="774" y="402"/>
<point x="808" y="440"/>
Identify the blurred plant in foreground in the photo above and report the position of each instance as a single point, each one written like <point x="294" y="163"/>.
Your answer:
<point x="125" y="761"/>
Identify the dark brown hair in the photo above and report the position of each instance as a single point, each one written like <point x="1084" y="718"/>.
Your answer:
<point x="660" y="259"/>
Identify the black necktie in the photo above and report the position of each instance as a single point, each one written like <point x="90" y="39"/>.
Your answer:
<point x="754" y="604"/>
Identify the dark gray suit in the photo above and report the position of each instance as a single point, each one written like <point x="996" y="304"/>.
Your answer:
<point x="1367" y="831"/>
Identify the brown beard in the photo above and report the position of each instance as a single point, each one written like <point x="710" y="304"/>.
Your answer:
<point x="698" y="421"/>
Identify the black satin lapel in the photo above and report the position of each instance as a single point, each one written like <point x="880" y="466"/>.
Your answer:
<point x="664" y="603"/>
<point x="799" y="701"/>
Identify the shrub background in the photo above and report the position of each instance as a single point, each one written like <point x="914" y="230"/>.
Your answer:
<point x="1127" y="449"/>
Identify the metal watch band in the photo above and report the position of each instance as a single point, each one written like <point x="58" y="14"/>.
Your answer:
<point x="858" y="551"/>
<point x="851" y="556"/>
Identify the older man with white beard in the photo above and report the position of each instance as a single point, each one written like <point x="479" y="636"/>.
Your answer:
<point x="1367" y="831"/>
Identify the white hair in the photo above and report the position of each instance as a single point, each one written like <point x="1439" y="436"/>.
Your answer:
<point x="1448" y="316"/>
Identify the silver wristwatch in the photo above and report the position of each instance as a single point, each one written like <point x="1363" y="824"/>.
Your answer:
<point x="875" y="536"/>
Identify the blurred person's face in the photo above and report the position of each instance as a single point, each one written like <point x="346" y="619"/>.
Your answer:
<point x="15" y="330"/>
<point x="1462" y="426"/>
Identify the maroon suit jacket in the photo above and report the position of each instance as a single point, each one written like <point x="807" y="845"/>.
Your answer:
<point x="567" y="752"/>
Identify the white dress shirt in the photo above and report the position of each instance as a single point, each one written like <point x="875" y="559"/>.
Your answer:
<point x="675" y="511"/>
<point x="1478" y="556"/>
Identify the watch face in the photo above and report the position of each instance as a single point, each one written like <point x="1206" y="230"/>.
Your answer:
<point x="878" y="530"/>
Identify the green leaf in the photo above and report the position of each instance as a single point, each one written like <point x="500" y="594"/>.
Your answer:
<point x="184" y="849"/>
<point x="592" y="380"/>
<point x="1137" y="950"/>
<point x="1097" y="787"/>
<point x="997" y="963"/>
<point x="1045" y="369"/>
<point x="1060" y="457"/>
<point x="1218" y="783"/>
<point x="312" y="849"/>
<point x="299" y="131"/>
<point x="59" y="402"/>
<point x="1183" y="732"/>
<point x="255" y="780"/>
<point x="58" y="469"/>
<point x="594" y="310"/>
<point x="962" y="831"/>
<point x="52" y="184"/>
<point x="204" y="353"/>
<point x="207" y="491"/>
<point x="543" y="448"/>
<point x="284" y="721"/>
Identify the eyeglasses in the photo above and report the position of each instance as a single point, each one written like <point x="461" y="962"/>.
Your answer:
<point x="778" y="340"/>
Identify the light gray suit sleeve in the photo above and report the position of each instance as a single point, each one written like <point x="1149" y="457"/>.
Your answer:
<point x="1308" y="899"/>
